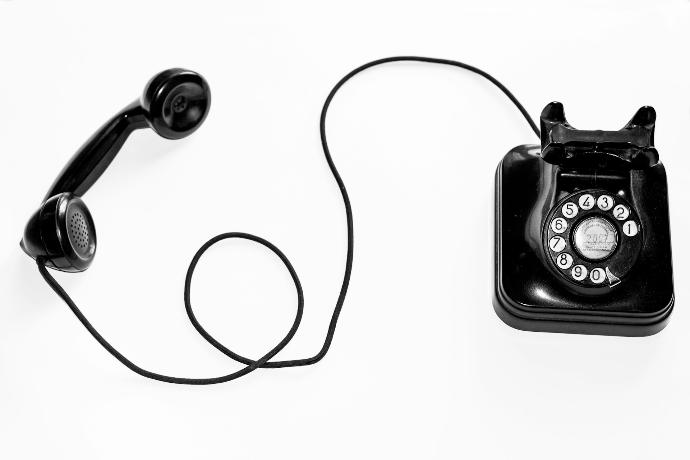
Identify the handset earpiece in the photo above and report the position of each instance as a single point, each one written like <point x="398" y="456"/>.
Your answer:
<point x="176" y="102"/>
<point x="61" y="233"/>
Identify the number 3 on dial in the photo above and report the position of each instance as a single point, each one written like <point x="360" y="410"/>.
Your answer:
<point x="605" y="202"/>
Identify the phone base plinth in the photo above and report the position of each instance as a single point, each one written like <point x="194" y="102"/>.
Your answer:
<point x="528" y="293"/>
<point x="515" y="316"/>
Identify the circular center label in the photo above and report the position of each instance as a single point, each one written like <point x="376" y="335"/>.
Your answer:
<point x="595" y="238"/>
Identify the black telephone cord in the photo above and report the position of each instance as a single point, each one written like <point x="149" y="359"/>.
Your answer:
<point x="264" y="361"/>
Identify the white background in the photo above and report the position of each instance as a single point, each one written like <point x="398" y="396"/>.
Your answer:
<point x="421" y="367"/>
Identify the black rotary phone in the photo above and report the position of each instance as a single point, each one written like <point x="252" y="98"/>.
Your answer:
<point x="582" y="231"/>
<point x="582" y="227"/>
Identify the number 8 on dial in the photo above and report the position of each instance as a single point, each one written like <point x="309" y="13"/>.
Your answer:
<point x="564" y="260"/>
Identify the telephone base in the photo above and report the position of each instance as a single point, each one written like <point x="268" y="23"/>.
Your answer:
<point x="529" y="292"/>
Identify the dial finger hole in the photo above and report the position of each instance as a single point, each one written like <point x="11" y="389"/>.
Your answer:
<point x="621" y="212"/>
<point x="569" y="210"/>
<point x="605" y="202"/>
<point x="597" y="276"/>
<point x="579" y="272"/>
<point x="586" y="201"/>
<point x="630" y="228"/>
<point x="564" y="260"/>
<point x="559" y="225"/>
<point x="557" y="243"/>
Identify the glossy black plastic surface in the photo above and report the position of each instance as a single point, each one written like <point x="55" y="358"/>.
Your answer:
<point x="62" y="233"/>
<point x="94" y="157"/>
<point x="530" y="295"/>
<point x="630" y="147"/>
<point x="175" y="103"/>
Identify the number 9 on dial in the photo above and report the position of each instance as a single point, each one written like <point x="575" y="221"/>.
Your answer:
<point x="579" y="272"/>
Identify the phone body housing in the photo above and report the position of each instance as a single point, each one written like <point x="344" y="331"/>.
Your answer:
<point x="529" y="291"/>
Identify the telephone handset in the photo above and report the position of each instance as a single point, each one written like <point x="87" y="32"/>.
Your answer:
<point x="582" y="231"/>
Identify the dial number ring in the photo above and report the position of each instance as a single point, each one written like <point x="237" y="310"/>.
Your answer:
<point x="592" y="238"/>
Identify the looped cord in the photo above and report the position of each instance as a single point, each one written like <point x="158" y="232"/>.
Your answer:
<point x="265" y="360"/>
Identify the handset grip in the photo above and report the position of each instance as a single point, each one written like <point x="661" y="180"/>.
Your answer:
<point x="174" y="104"/>
<point x="92" y="158"/>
